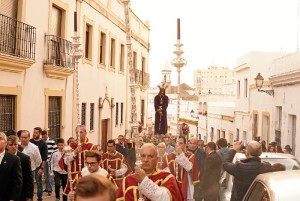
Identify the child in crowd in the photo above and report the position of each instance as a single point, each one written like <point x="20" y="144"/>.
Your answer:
<point x="60" y="176"/>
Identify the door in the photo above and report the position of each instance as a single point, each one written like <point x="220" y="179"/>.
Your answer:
<point x="292" y="132"/>
<point x="104" y="131"/>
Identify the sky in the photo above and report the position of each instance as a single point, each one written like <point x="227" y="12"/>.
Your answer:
<point x="216" y="32"/>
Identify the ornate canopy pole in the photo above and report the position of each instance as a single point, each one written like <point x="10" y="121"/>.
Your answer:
<point x="76" y="54"/>
<point x="67" y="150"/>
<point x="178" y="62"/>
<point x="132" y="85"/>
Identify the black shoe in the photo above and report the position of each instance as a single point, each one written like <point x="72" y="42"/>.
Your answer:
<point x="49" y="193"/>
<point x="45" y="191"/>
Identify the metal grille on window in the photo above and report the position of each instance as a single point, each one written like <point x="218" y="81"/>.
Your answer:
<point x="122" y="113"/>
<point x="83" y="113"/>
<point x="54" y="118"/>
<point x="92" y="117"/>
<point x="117" y="113"/>
<point x="7" y="112"/>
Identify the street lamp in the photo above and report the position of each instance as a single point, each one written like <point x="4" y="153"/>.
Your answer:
<point x="178" y="62"/>
<point x="192" y="113"/>
<point x="259" y="81"/>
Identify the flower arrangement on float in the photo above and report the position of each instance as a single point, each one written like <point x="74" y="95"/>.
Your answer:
<point x="140" y="127"/>
<point x="185" y="129"/>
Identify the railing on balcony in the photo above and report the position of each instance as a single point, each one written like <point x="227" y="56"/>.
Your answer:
<point x="17" y="38"/>
<point x="58" y="52"/>
<point x="142" y="78"/>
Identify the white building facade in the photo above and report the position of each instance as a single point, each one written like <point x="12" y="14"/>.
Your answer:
<point x="38" y="86"/>
<point x="285" y="80"/>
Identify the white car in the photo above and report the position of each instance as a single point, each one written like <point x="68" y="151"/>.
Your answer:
<point x="275" y="186"/>
<point x="288" y="160"/>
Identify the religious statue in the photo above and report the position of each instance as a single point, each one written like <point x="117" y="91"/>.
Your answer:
<point x="161" y="101"/>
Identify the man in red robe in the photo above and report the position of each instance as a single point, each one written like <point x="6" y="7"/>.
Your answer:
<point x="183" y="166"/>
<point x="115" y="163"/>
<point x="148" y="182"/>
<point x="73" y="158"/>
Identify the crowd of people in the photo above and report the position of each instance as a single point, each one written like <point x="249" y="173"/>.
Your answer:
<point x="184" y="170"/>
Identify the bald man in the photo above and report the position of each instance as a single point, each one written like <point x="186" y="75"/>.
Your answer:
<point x="246" y="170"/>
<point x="161" y="153"/>
<point x="152" y="183"/>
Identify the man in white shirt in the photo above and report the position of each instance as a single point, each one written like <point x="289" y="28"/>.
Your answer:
<point x="31" y="150"/>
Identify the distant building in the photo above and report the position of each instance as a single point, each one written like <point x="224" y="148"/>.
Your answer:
<point x="211" y="80"/>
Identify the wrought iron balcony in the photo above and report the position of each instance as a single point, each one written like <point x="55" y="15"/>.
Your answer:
<point x="17" y="44"/>
<point x="142" y="79"/>
<point x="58" y="62"/>
<point x="17" y="38"/>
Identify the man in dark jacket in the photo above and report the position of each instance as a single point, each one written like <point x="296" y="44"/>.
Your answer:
<point x="245" y="171"/>
<point x="211" y="173"/>
<point x="10" y="173"/>
<point x="200" y="158"/>
<point x="27" y="187"/>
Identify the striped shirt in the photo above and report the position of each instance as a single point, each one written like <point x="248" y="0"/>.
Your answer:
<point x="51" y="147"/>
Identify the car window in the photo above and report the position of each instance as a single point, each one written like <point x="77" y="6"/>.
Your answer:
<point x="258" y="192"/>
<point x="289" y="163"/>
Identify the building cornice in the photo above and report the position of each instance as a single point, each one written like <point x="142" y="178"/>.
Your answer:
<point x="14" y="64"/>
<point x="284" y="79"/>
<point x="241" y="67"/>
<point x="58" y="72"/>
<point x="227" y="118"/>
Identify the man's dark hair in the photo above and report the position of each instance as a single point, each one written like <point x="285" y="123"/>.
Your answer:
<point x="44" y="132"/>
<point x="70" y="138"/>
<point x="111" y="142"/>
<point x="182" y="137"/>
<point x="222" y="142"/>
<point x="93" y="154"/>
<point x="60" y="140"/>
<point x="39" y="129"/>
<point x="211" y="145"/>
<point x="19" y="133"/>
<point x="10" y="132"/>
<point x="93" y="185"/>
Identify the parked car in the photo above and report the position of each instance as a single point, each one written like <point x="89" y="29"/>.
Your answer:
<point x="275" y="186"/>
<point x="288" y="160"/>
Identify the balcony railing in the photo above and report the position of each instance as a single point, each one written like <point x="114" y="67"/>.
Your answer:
<point x="16" y="38"/>
<point x="58" y="52"/>
<point x="142" y="78"/>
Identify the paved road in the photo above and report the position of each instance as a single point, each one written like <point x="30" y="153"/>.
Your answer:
<point x="46" y="197"/>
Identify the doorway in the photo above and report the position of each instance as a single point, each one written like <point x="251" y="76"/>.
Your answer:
<point x="104" y="133"/>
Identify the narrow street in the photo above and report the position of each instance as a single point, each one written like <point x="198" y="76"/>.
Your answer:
<point x="46" y="197"/>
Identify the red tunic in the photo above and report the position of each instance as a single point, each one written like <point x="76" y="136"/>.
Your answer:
<point x="86" y="146"/>
<point x="182" y="179"/>
<point x="129" y="189"/>
<point x="114" y="161"/>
